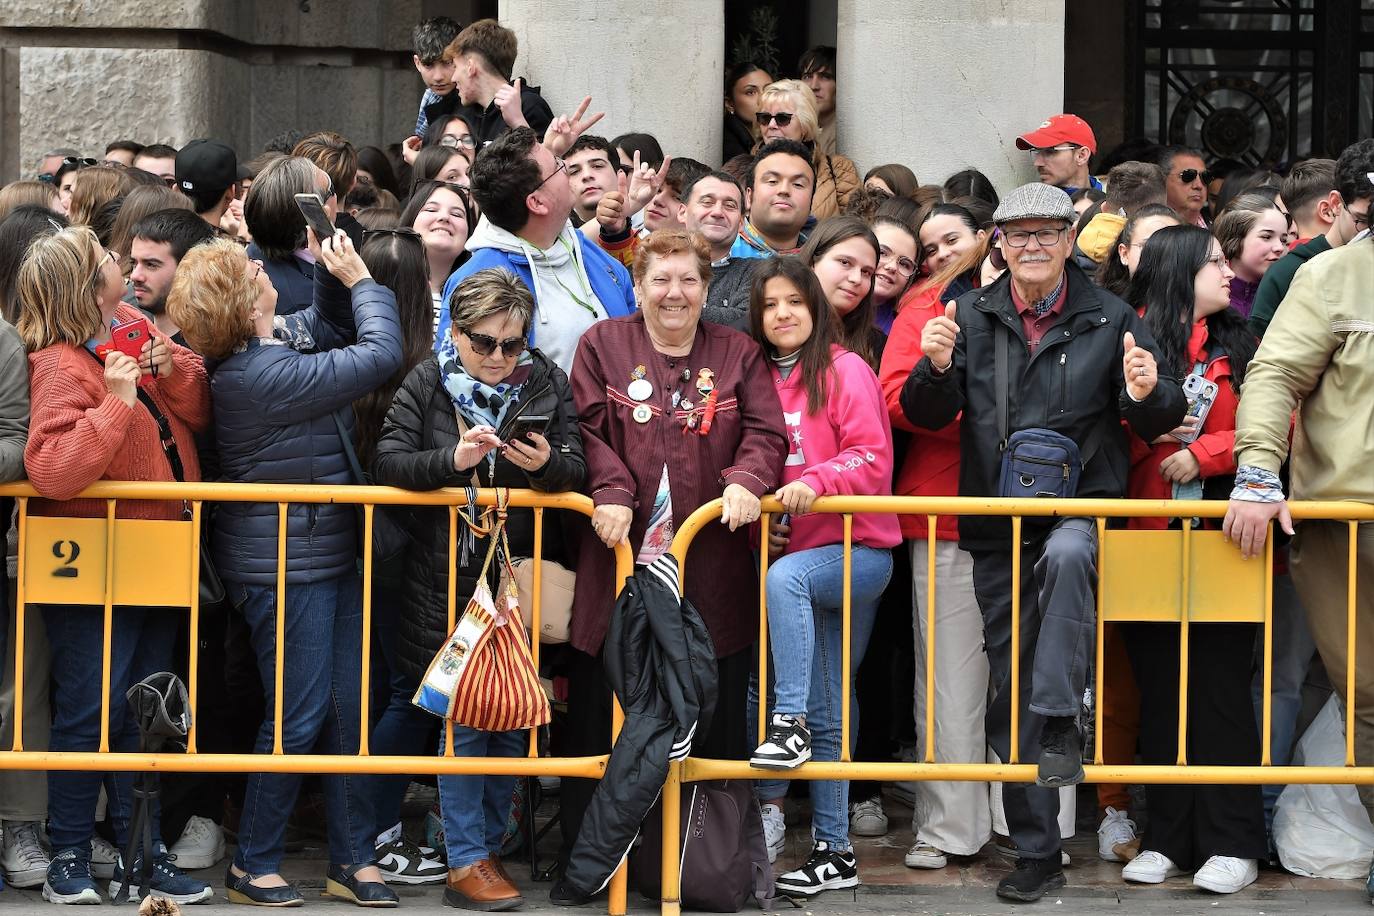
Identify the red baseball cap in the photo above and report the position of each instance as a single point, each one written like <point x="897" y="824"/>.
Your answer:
<point x="1060" y="128"/>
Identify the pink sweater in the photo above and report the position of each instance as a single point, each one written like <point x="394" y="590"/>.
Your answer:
<point x="845" y="450"/>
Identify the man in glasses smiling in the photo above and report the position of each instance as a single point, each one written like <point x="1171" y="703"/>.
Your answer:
<point x="1061" y="148"/>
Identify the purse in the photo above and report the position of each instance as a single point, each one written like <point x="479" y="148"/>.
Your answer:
<point x="483" y="676"/>
<point x="1036" y="462"/>
<point x="557" y="584"/>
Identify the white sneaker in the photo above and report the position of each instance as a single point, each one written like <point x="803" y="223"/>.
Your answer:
<point x="867" y="818"/>
<point x="201" y="844"/>
<point x="924" y="855"/>
<point x="103" y="858"/>
<point x="1151" y="867"/>
<point x="1116" y="840"/>
<point x="774" y="831"/>
<point x="23" y="859"/>
<point x="1226" y="874"/>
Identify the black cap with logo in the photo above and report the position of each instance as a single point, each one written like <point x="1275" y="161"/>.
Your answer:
<point x="206" y="165"/>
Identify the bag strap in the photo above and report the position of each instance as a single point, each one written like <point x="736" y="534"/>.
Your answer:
<point x="764" y="890"/>
<point x="164" y="433"/>
<point x="1000" y="382"/>
<point x="359" y="477"/>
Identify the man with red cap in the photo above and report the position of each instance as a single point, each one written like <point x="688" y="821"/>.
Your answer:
<point x="1061" y="148"/>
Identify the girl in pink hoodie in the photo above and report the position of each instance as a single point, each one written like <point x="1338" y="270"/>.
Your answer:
<point x="840" y="443"/>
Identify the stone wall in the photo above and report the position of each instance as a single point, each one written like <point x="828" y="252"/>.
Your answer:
<point x="81" y="73"/>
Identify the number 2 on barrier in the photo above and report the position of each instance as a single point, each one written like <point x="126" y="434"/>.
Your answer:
<point x="68" y="568"/>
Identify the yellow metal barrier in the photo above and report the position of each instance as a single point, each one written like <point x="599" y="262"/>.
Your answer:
<point x="1146" y="576"/>
<point x="106" y="562"/>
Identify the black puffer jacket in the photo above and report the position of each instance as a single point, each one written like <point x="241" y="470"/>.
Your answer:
<point x="416" y="450"/>
<point x="1071" y="385"/>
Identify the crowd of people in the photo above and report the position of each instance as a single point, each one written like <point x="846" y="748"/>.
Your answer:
<point x="508" y="300"/>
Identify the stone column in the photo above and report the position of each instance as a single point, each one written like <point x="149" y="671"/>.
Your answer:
<point x="652" y="65"/>
<point x="941" y="86"/>
<point x="81" y="73"/>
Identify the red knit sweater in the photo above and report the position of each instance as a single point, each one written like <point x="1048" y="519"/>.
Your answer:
<point x="80" y="433"/>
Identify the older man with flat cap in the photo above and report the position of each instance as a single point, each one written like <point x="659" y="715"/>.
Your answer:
<point x="1043" y="352"/>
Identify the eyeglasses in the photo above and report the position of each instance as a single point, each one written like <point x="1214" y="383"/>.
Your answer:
<point x="1051" y="150"/>
<point x="1361" y="220"/>
<point x="1020" y="238"/>
<point x="257" y="273"/>
<point x="108" y="256"/>
<point x="483" y="344"/>
<point x="1188" y="176"/>
<point x="764" y="118"/>
<point x="1217" y="260"/>
<point x="905" y="266"/>
<point x="466" y="141"/>
<point x="398" y="231"/>
<point x="559" y="165"/>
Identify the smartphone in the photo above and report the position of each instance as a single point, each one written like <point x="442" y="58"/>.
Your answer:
<point x="129" y="337"/>
<point x="316" y="217"/>
<point x="1201" y="394"/>
<point x="521" y="427"/>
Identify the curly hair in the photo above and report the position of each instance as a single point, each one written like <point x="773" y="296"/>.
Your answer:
<point x="664" y="242"/>
<point x="212" y="298"/>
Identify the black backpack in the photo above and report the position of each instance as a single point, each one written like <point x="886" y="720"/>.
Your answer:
<point x="724" y="860"/>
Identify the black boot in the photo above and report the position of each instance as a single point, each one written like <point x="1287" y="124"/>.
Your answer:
<point x="1061" y="753"/>
<point x="1032" y="879"/>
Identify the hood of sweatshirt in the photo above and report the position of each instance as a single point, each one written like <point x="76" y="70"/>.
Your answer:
<point x="1100" y="235"/>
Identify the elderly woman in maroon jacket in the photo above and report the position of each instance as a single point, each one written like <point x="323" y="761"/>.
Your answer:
<point x="674" y="412"/>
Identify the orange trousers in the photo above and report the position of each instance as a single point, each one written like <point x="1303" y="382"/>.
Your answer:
<point x="1120" y="715"/>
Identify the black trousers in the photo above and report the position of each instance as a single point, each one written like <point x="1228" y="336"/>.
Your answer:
<point x="885" y="679"/>
<point x="1191" y="823"/>
<point x="587" y="728"/>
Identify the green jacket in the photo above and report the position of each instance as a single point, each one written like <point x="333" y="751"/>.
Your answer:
<point x="1317" y="358"/>
<point x="1278" y="278"/>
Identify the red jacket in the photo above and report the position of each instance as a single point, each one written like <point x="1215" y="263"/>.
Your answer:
<point x="931" y="464"/>
<point x="1212" y="449"/>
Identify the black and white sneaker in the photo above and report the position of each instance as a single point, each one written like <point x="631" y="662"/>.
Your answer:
<point x="403" y="862"/>
<point x="788" y="744"/>
<point x="826" y="869"/>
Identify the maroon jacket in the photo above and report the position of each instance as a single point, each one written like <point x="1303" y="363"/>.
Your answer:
<point x="747" y="445"/>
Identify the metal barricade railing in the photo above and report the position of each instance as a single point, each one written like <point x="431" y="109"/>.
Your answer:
<point x="1145" y="576"/>
<point x="106" y="562"/>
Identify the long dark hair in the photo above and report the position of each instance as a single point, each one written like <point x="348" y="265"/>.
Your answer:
<point x="1113" y="275"/>
<point x="396" y="260"/>
<point x="856" y="328"/>
<point x="420" y="196"/>
<point x="1165" y="285"/>
<point x="815" y="362"/>
<point x="375" y="162"/>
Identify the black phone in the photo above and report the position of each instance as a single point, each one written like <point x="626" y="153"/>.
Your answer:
<point x="316" y="216"/>
<point x="522" y="426"/>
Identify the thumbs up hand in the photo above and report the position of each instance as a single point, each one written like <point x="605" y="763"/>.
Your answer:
<point x="938" y="336"/>
<point x="1138" y="368"/>
<point x="508" y="102"/>
<point x="610" y="211"/>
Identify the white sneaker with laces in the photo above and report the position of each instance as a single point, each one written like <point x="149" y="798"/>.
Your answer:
<point x="1150" y="867"/>
<point x="1116" y="831"/>
<point x="924" y="855"/>
<point x="201" y="844"/>
<point x="1226" y="874"/>
<point x="774" y="831"/>
<point x="867" y="818"/>
<point x="23" y="859"/>
<point x="103" y="858"/>
<point x="825" y="869"/>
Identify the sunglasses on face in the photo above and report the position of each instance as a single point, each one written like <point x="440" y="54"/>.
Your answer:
<point x="69" y="163"/>
<point x="484" y="344"/>
<point x="1187" y="176"/>
<point x="764" y="118"/>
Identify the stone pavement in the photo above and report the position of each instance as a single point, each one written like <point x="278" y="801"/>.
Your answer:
<point x="963" y="888"/>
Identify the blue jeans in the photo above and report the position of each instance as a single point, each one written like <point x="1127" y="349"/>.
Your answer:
<point x="805" y="594"/>
<point x="476" y="808"/>
<point x="320" y="710"/>
<point x="140" y="645"/>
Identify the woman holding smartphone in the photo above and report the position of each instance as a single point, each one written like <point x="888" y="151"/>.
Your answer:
<point x="467" y="417"/>
<point x="1217" y="831"/>
<point x="91" y="419"/>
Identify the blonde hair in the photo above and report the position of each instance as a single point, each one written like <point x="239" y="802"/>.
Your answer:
<point x="803" y="103"/>
<point x="494" y="291"/>
<point x="92" y="189"/>
<point x="18" y="194"/>
<point x="664" y="242"/>
<point x="59" y="289"/>
<point x="212" y="296"/>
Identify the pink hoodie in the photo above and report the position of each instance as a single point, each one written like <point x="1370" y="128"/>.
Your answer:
<point x="845" y="450"/>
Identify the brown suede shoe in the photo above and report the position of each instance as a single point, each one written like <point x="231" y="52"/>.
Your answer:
<point x="483" y="888"/>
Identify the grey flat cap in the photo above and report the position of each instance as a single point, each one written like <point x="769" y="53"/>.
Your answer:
<point x="1035" y="201"/>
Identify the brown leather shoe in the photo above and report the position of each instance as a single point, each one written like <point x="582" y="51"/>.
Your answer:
<point x="500" y="867"/>
<point x="484" y="888"/>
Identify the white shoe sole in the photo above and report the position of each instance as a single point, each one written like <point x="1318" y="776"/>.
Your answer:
<point x="835" y="884"/>
<point x="1217" y="887"/>
<point x="391" y="877"/>
<point x="1152" y="877"/>
<point x="88" y="896"/>
<point x="923" y="860"/>
<point x="864" y="828"/>
<point x="195" y="861"/>
<point x="26" y="880"/>
<point x="765" y="763"/>
<point x="117" y="889"/>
